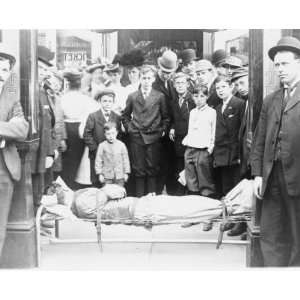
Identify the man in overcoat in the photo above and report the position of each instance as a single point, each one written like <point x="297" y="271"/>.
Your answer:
<point x="275" y="160"/>
<point x="43" y="157"/>
<point x="13" y="127"/>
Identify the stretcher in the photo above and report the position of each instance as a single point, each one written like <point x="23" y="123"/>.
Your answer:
<point x="99" y="208"/>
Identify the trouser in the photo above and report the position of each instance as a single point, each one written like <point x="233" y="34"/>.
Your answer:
<point x="198" y="171"/>
<point x="119" y="182"/>
<point x="280" y="222"/>
<point x="166" y="176"/>
<point x="6" y="192"/>
<point x="226" y="178"/>
<point x="145" y="166"/>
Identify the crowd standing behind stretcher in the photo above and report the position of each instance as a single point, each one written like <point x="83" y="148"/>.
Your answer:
<point x="177" y="116"/>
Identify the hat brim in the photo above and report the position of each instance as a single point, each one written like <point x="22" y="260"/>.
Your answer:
<point x="272" y="52"/>
<point x="46" y="62"/>
<point x="10" y="57"/>
<point x="237" y="76"/>
<point x="91" y="69"/>
<point x="102" y="93"/>
<point x="162" y="67"/>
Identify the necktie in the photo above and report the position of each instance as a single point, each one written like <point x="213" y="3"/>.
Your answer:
<point x="181" y="99"/>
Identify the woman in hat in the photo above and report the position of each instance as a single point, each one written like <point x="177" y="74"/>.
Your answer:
<point x="97" y="80"/>
<point x="76" y="107"/>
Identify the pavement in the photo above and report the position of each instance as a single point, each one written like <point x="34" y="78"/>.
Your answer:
<point x="181" y="249"/>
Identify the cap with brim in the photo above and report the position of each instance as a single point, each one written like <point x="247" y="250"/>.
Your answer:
<point x="94" y="67"/>
<point x="168" y="61"/>
<point x="11" y="58"/>
<point x="72" y="75"/>
<point x="238" y="73"/>
<point x="188" y="55"/>
<point x="104" y="92"/>
<point x="112" y="68"/>
<point x="203" y="64"/>
<point x="233" y="62"/>
<point x="218" y="57"/>
<point x="287" y="43"/>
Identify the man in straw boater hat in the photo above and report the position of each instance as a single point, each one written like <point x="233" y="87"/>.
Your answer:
<point x="167" y="65"/>
<point x="275" y="160"/>
<point x="13" y="128"/>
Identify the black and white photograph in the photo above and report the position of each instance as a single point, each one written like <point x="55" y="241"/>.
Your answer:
<point x="150" y="149"/>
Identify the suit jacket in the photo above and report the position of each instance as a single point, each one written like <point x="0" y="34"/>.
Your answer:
<point x="94" y="129"/>
<point x="263" y="148"/>
<point x="146" y="118"/>
<point x="226" y="150"/>
<point x="213" y="99"/>
<point x="180" y="120"/>
<point x="245" y="138"/>
<point x="169" y="92"/>
<point x="112" y="160"/>
<point x="46" y="133"/>
<point x="13" y="127"/>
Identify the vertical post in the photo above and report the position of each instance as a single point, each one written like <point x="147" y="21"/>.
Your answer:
<point x="253" y="252"/>
<point x="20" y="249"/>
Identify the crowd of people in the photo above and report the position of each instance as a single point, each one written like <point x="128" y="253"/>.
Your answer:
<point x="180" y="126"/>
<point x="183" y="117"/>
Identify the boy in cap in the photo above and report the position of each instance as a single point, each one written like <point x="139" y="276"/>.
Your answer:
<point x="146" y="120"/>
<point x="13" y="128"/>
<point x="181" y="108"/>
<point x="94" y="128"/>
<point x="114" y="72"/>
<point x="205" y="76"/>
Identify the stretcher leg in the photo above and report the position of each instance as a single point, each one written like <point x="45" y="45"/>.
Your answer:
<point x="56" y="228"/>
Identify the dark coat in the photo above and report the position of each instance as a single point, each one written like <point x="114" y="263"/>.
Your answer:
<point x="94" y="129"/>
<point x="263" y="148"/>
<point x="146" y="118"/>
<point x="13" y="128"/>
<point x="227" y="150"/>
<point x="213" y="99"/>
<point x="46" y="133"/>
<point x="169" y="92"/>
<point x="180" y="120"/>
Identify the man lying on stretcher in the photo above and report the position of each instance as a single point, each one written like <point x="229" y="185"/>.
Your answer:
<point x="111" y="204"/>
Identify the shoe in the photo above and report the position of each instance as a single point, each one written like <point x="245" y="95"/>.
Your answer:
<point x="244" y="236"/>
<point x="228" y="226"/>
<point x="238" y="229"/>
<point x="207" y="226"/>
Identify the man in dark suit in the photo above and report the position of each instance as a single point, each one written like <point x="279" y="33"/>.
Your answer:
<point x="13" y="128"/>
<point x="226" y="155"/>
<point x="240" y="80"/>
<point x="167" y="65"/>
<point x="43" y="156"/>
<point x="146" y="119"/>
<point x="275" y="160"/>
<point x="180" y="108"/>
<point x="94" y="128"/>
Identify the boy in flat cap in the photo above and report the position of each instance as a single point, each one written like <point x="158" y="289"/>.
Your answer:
<point x="13" y="128"/>
<point x="275" y="160"/>
<point x="205" y="76"/>
<point x="94" y="128"/>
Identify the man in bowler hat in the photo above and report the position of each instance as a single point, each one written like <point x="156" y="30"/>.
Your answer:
<point x="275" y="160"/>
<point x="13" y="128"/>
